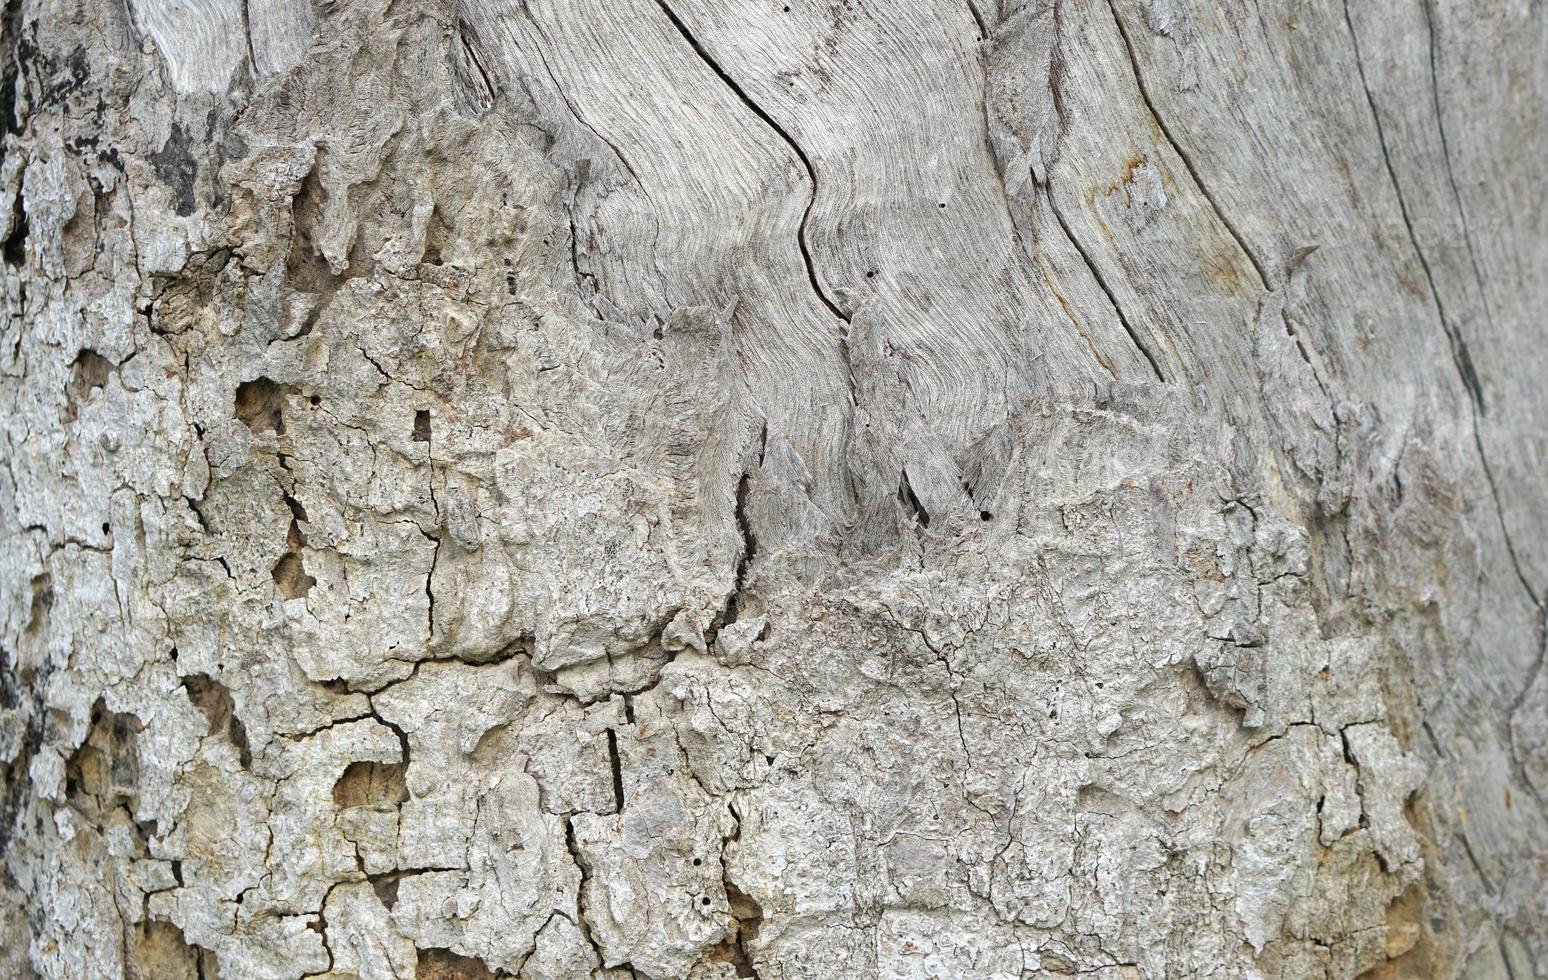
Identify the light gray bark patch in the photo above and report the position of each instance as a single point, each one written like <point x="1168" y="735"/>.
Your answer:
<point x="806" y="255"/>
<point x="202" y="43"/>
<point x="448" y="530"/>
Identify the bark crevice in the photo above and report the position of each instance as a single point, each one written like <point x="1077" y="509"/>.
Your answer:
<point x="811" y="172"/>
<point x="1107" y="290"/>
<point x="1182" y="154"/>
<point x="1461" y="357"/>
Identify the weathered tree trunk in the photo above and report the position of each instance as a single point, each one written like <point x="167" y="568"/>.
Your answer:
<point x="825" y="488"/>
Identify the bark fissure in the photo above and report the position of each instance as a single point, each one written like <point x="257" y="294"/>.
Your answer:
<point x="978" y="19"/>
<point x="575" y="113"/>
<point x="618" y="153"/>
<point x="1483" y="296"/>
<point x="1459" y="352"/>
<point x="1101" y="281"/>
<point x="985" y="44"/>
<point x="616" y="767"/>
<point x="1451" y="177"/>
<point x="466" y="37"/>
<point x="247" y="34"/>
<point x="1182" y="154"/>
<point x="780" y="131"/>
<point x="578" y="857"/>
<point x="748" y="550"/>
<point x="1516" y="703"/>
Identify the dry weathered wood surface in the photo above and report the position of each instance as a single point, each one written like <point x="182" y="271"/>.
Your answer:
<point x="780" y="488"/>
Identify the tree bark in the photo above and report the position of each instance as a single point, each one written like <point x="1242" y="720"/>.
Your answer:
<point x="723" y="488"/>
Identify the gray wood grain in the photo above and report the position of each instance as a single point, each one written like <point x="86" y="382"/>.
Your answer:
<point x="777" y="488"/>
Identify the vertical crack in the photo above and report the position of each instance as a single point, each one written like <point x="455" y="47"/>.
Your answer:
<point x="984" y="46"/>
<point x="1483" y="296"/>
<point x="618" y="154"/>
<point x="465" y="35"/>
<point x="1520" y="699"/>
<point x="978" y="18"/>
<point x="911" y="502"/>
<point x="435" y="555"/>
<point x="1056" y="70"/>
<point x="584" y="867"/>
<point x="1469" y="376"/>
<point x="811" y="172"/>
<point x="1187" y="161"/>
<point x="746" y="913"/>
<point x="1459" y="352"/>
<point x="1451" y="177"/>
<point x="749" y="547"/>
<point x="575" y="112"/>
<point x="617" y="767"/>
<point x="1101" y="281"/>
<point x="580" y="276"/>
<point x="247" y="33"/>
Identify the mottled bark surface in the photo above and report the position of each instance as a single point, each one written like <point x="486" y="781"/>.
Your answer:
<point x="724" y="488"/>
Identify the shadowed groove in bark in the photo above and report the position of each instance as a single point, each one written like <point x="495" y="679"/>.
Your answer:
<point x="577" y="856"/>
<point x="615" y="764"/>
<point x="466" y="37"/>
<point x="1459" y="352"/>
<point x="618" y="154"/>
<point x="576" y="113"/>
<point x="1451" y="176"/>
<point x="749" y="546"/>
<point x="984" y="46"/>
<point x="247" y="34"/>
<point x="910" y="502"/>
<point x="1101" y="281"/>
<point x="1520" y="699"/>
<point x="1483" y="293"/>
<point x="978" y="18"/>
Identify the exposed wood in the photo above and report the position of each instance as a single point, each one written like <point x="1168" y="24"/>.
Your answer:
<point x="778" y="488"/>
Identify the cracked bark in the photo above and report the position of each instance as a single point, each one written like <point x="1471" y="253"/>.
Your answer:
<point x="711" y="488"/>
<point x="811" y="174"/>
<point x="1193" y="171"/>
<point x="1112" y="300"/>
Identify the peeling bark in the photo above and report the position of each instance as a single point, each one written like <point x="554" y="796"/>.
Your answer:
<point x="725" y="488"/>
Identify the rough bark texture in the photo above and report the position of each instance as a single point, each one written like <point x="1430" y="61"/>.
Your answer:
<point x="724" y="488"/>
